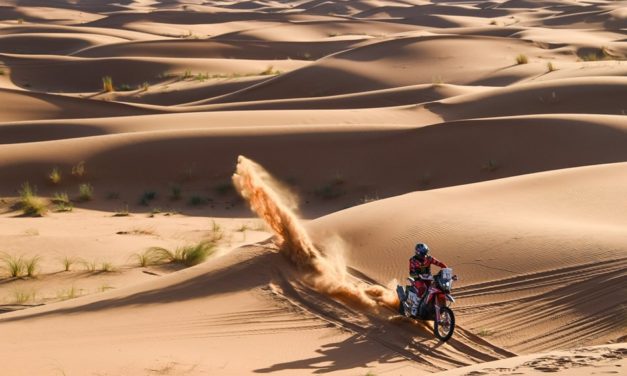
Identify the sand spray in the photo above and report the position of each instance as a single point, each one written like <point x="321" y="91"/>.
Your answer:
<point x="325" y="272"/>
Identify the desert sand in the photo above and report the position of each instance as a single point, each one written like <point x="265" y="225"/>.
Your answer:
<point x="494" y="131"/>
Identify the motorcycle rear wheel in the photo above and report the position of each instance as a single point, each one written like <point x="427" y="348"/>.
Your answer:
<point x="443" y="330"/>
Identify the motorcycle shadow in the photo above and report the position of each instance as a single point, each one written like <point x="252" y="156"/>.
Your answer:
<point x="462" y="349"/>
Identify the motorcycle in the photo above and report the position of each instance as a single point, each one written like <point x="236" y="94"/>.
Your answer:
<point x="434" y="305"/>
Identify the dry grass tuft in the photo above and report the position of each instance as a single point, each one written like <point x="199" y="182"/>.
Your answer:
<point x="85" y="192"/>
<point x="54" y="176"/>
<point x="29" y="202"/>
<point x="188" y="255"/>
<point x="107" y="84"/>
<point x="521" y="59"/>
<point x="78" y="170"/>
<point x="18" y="266"/>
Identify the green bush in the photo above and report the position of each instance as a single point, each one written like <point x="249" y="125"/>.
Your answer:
<point x="147" y="197"/>
<point x="30" y="203"/>
<point x="54" y="176"/>
<point x="85" y="192"/>
<point x="188" y="255"/>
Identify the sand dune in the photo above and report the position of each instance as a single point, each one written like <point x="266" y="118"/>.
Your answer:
<point x="49" y="74"/>
<point x="25" y="105"/>
<point x="402" y="62"/>
<point x="376" y="98"/>
<point x="51" y="43"/>
<point x="483" y="149"/>
<point x="494" y="131"/>
<point x="548" y="97"/>
<point x="218" y="49"/>
<point x="550" y="258"/>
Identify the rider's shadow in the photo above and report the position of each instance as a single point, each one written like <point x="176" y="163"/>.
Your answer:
<point x="354" y="352"/>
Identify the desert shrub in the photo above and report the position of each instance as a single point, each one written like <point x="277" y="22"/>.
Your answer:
<point x="216" y="232"/>
<point x="60" y="198"/>
<point x="62" y="202"/>
<point x="550" y="67"/>
<point x="224" y="188"/>
<point x="200" y="77"/>
<point x="591" y="56"/>
<point x="29" y="202"/>
<point x="491" y="165"/>
<point x="69" y="293"/>
<point x="600" y="54"/>
<point x="437" y="80"/>
<point x="122" y="212"/>
<point x="243" y="228"/>
<point x="89" y="266"/>
<point x="521" y="59"/>
<point x="175" y="193"/>
<point x="124" y="87"/>
<point x="78" y="170"/>
<point x="20" y="266"/>
<point x="107" y="84"/>
<point x="64" y="207"/>
<point x="334" y="189"/>
<point x="13" y="265"/>
<point x="147" y="197"/>
<point x="107" y="267"/>
<point x="188" y="255"/>
<point x="85" y="192"/>
<point x="269" y="71"/>
<point x="194" y="254"/>
<point x="23" y="296"/>
<point x="152" y="256"/>
<point x="31" y="266"/>
<point x="104" y="288"/>
<point x="197" y="201"/>
<point x="67" y="263"/>
<point x="54" y="176"/>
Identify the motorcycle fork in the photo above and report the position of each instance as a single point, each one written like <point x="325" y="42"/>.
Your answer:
<point x="437" y="311"/>
<point x="436" y="304"/>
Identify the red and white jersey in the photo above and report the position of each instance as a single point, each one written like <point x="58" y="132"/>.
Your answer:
<point x="417" y="267"/>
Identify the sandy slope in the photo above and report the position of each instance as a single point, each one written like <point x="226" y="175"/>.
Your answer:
<point x="393" y="121"/>
<point x="608" y="359"/>
<point x="559" y="274"/>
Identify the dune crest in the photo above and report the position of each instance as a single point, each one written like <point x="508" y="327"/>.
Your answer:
<point x="325" y="272"/>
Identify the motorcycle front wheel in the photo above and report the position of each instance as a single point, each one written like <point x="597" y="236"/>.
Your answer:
<point x="443" y="329"/>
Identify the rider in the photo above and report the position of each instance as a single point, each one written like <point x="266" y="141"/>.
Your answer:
<point x="420" y="267"/>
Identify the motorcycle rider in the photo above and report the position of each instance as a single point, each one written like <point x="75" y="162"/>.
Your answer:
<point x="420" y="268"/>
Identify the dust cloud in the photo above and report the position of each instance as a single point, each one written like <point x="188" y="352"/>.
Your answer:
<point x="325" y="272"/>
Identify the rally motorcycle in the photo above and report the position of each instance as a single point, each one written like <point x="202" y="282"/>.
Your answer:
<point x="433" y="305"/>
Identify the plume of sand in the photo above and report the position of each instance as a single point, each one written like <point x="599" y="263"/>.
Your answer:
<point x="325" y="272"/>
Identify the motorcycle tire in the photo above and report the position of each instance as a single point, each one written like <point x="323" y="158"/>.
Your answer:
<point x="444" y="311"/>
<point x="401" y="297"/>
